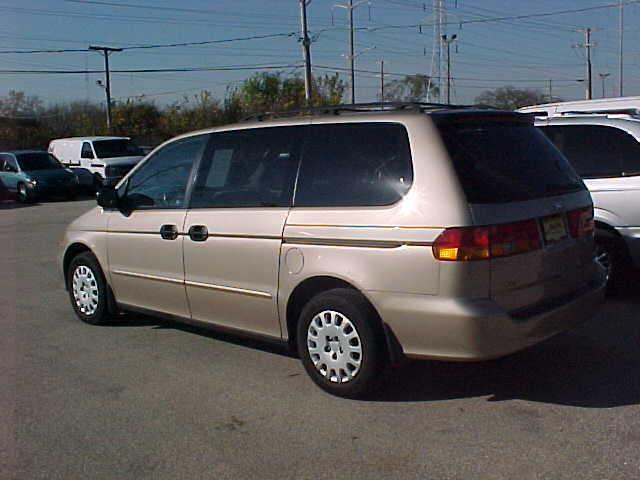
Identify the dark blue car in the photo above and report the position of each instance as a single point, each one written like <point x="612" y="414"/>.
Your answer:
<point x="33" y="174"/>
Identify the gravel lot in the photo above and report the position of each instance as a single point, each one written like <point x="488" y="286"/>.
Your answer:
<point x="148" y="399"/>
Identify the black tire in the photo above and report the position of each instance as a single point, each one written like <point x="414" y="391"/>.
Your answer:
<point x="612" y="254"/>
<point x="22" y="193"/>
<point x="372" y="370"/>
<point x="99" y="316"/>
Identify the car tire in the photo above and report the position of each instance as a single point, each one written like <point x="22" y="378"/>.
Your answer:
<point x="611" y="254"/>
<point x="22" y="193"/>
<point x="88" y="290"/>
<point x="341" y="343"/>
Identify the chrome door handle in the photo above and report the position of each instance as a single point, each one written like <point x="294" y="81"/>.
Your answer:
<point x="198" y="233"/>
<point x="169" y="232"/>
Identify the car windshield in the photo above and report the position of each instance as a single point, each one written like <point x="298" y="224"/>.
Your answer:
<point x="116" y="148"/>
<point x="37" y="161"/>
<point x="507" y="162"/>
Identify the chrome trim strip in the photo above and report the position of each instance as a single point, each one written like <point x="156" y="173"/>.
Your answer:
<point x="339" y="242"/>
<point x="241" y="291"/>
<point x="250" y="237"/>
<point x="135" y="232"/>
<point x="146" y="276"/>
<point x="391" y="227"/>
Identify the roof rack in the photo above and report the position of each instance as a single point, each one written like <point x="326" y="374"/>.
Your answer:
<point x="358" y="107"/>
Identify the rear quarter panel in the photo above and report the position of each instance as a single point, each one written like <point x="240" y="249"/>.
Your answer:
<point x="384" y="248"/>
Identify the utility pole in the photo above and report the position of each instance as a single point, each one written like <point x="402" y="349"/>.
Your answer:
<point x="352" y="58"/>
<point x="448" y="41"/>
<point x="603" y="76"/>
<point x="306" y="52"/>
<point x="439" y="22"/>
<point x="381" y="81"/>
<point x="106" y="51"/>
<point x="621" y="32"/>
<point x="350" y="7"/>
<point x="588" y="76"/>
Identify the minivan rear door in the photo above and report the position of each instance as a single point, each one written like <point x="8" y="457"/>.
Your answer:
<point x="510" y="172"/>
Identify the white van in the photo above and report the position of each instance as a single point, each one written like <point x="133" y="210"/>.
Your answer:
<point x="107" y="158"/>
<point x="601" y="138"/>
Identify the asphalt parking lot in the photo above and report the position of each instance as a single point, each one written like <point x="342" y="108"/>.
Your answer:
<point x="149" y="399"/>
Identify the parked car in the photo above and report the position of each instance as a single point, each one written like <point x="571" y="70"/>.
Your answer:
<point x="32" y="174"/>
<point x="601" y="138"/>
<point x="4" y="192"/>
<point x="358" y="237"/>
<point x="107" y="158"/>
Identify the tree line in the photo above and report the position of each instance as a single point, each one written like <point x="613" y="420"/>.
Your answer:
<point x="26" y="122"/>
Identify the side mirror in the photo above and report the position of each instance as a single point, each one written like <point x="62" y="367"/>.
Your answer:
<point x="107" y="197"/>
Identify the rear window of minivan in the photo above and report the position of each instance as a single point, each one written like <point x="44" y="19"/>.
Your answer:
<point x="500" y="162"/>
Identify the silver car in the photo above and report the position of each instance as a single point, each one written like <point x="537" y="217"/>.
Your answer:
<point x="359" y="236"/>
<point x="601" y="139"/>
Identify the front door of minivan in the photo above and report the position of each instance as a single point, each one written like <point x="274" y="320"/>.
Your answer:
<point x="144" y="240"/>
<point x="233" y="230"/>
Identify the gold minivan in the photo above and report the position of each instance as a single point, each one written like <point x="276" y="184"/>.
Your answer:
<point x="358" y="235"/>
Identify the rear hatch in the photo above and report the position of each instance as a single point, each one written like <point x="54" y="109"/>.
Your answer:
<point x="537" y="211"/>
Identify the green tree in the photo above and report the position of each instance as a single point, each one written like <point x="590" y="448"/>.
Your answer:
<point x="137" y="118"/>
<point x="511" y="98"/>
<point x="268" y="91"/>
<point x="412" y="88"/>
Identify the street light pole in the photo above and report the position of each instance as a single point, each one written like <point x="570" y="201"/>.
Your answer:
<point x="448" y="41"/>
<point x="106" y="51"/>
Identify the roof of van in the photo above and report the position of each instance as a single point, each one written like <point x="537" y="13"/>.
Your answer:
<point x="358" y="112"/>
<point x="618" y="105"/>
<point x="90" y="139"/>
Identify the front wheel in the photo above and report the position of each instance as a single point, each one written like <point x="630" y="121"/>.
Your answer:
<point x="23" y="193"/>
<point x="88" y="289"/>
<point x="341" y="343"/>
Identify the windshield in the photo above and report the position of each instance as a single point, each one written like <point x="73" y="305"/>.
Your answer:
<point x="37" y="161"/>
<point x="116" y="148"/>
<point x="507" y="162"/>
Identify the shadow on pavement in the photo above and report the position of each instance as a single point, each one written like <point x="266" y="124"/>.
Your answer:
<point x="13" y="205"/>
<point x="595" y="366"/>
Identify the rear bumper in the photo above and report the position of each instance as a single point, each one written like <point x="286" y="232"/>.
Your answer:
<point x="455" y="329"/>
<point x="631" y="236"/>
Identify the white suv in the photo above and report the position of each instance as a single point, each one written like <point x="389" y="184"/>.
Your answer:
<point x="601" y="138"/>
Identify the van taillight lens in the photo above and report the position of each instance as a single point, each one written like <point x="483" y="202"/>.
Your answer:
<point x="481" y="243"/>
<point x="462" y="243"/>
<point x="580" y="222"/>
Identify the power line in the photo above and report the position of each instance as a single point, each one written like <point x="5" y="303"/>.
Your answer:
<point x="160" y="45"/>
<point x="153" y="70"/>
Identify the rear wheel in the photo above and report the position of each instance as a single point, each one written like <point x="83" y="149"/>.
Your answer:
<point x="611" y="254"/>
<point x="341" y="343"/>
<point x="88" y="289"/>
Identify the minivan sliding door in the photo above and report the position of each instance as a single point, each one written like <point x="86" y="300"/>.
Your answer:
<point x="240" y="202"/>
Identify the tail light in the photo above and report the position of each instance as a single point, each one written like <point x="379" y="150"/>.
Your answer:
<point x="481" y="243"/>
<point x="580" y="222"/>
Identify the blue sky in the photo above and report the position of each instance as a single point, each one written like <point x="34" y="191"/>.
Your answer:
<point x="524" y="53"/>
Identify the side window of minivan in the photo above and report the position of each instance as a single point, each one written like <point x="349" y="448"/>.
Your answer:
<point x="161" y="182"/>
<point x="354" y="164"/>
<point x="86" y="151"/>
<point x="249" y="168"/>
<point x="597" y="150"/>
